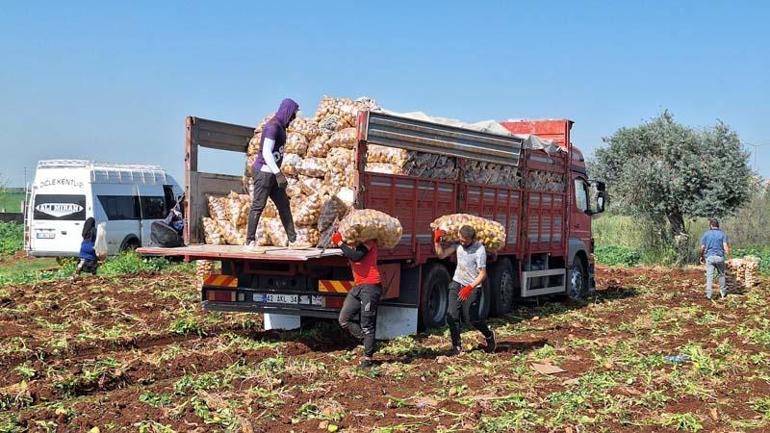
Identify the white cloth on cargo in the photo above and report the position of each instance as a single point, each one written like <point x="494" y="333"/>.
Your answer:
<point x="486" y="126"/>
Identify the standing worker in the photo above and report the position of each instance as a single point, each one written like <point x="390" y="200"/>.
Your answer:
<point x="465" y="288"/>
<point x="89" y="262"/>
<point x="714" y="248"/>
<point x="268" y="179"/>
<point x="362" y="300"/>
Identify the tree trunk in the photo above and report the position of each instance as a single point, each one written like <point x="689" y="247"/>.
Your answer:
<point x="681" y="237"/>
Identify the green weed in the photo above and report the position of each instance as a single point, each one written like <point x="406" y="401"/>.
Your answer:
<point x="681" y="421"/>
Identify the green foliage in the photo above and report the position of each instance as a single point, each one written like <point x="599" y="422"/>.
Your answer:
<point x="664" y="171"/>
<point x="682" y="422"/>
<point x="132" y="263"/>
<point x="614" y="255"/>
<point x="11" y="238"/>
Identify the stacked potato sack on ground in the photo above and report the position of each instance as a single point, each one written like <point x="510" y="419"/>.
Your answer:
<point x="369" y="224"/>
<point x="744" y="271"/>
<point x="203" y="268"/>
<point x="490" y="233"/>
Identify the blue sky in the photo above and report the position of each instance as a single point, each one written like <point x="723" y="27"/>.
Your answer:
<point x="113" y="81"/>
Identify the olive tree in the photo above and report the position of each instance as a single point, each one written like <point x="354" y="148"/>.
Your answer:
<point x="664" y="171"/>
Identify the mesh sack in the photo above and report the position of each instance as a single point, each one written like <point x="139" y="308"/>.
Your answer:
<point x="490" y="233"/>
<point x="305" y="209"/>
<point x="385" y="168"/>
<point x="307" y="237"/>
<point x="332" y="209"/>
<point x="296" y="144"/>
<point x="386" y="155"/>
<point x="237" y="207"/>
<point x="212" y="233"/>
<point x="313" y="167"/>
<point x="304" y="126"/>
<point x="291" y="164"/>
<point x="369" y="224"/>
<point x="217" y="208"/>
<point x="310" y="185"/>
<point x="275" y="232"/>
<point x="292" y="187"/>
<point x="319" y="147"/>
<point x="345" y="138"/>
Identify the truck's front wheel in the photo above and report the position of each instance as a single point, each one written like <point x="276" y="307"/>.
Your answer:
<point x="433" y="297"/>
<point x="578" y="280"/>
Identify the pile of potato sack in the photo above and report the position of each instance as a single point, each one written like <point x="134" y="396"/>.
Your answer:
<point x="319" y="163"/>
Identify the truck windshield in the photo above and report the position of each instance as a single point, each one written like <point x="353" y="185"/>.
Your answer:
<point x="60" y="207"/>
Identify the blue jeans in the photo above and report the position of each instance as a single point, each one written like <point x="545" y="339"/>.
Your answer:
<point x="715" y="263"/>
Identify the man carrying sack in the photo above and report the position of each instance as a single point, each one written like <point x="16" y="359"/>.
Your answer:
<point x="465" y="288"/>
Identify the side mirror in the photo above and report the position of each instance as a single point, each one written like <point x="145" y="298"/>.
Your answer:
<point x="598" y="196"/>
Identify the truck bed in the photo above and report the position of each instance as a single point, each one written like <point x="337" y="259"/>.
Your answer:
<point x="218" y="252"/>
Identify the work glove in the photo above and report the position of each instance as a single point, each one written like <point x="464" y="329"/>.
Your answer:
<point x="280" y="179"/>
<point x="465" y="293"/>
<point x="336" y="239"/>
<point x="438" y="234"/>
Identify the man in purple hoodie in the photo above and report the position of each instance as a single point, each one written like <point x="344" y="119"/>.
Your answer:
<point x="268" y="179"/>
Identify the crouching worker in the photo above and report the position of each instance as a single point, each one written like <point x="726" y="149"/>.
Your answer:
<point x="465" y="288"/>
<point x="89" y="262"/>
<point x="361" y="302"/>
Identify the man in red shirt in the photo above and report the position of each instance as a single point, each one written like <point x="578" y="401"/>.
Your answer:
<point x="364" y="297"/>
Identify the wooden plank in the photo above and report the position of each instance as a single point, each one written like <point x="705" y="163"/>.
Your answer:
<point x="214" y="252"/>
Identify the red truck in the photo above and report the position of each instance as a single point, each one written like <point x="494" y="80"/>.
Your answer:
<point x="548" y="249"/>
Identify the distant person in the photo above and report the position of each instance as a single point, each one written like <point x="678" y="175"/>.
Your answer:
<point x="714" y="249"/>
<point x="175" y="219"/>
<point x="268" y="179"/>
<point x="465" y="288"/>
<point x="89" y="262"/>
<point x="359" y="311"/>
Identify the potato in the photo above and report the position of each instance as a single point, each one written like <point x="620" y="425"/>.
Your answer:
<point x="305" y="209"/>
<point x="490" y="233"/>
<point x="212" y="233"/>
<point x="217" y="208"/>
<point x="319" y="147"/>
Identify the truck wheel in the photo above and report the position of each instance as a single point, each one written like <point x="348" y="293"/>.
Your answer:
<point x="433" y="297"/>
<point x="578" y="280"/>
<point x="502" y="282"/>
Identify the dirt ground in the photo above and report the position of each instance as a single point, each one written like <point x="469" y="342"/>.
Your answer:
<point x="136" y="354"/>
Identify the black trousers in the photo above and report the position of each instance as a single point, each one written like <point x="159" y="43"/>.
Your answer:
<point x="454" y="312"/>
<point x="265" y="186"/>
<point x="89" y="266"/>
<point x="361" y="303"/>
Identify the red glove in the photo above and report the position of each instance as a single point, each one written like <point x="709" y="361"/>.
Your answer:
<point x="465" y="293"/>
<point x="336" y="239"/>
<point x="437" y="235"/>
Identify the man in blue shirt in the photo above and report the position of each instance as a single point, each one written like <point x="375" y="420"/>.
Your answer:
<point x="714" y="247"/>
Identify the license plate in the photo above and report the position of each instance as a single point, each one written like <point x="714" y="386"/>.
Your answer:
<point x="45" y="235"/>
<point x="276" y="298"/>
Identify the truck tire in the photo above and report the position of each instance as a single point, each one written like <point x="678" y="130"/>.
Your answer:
<point x="577" y="285"/>
<point x="502" y="287"/>
<point x="433" y="297"/>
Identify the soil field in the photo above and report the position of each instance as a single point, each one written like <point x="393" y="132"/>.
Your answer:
<point x="135" y="353"/>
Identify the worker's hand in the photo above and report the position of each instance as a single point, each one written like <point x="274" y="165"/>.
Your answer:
<point x="280" y="179"/>
<point x="465" y="293"/>
<point x="438" y="234"/>
<point x="336" y="239"/>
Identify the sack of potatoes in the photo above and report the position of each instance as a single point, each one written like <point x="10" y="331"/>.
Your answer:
<point x="369" y="224"/>
<point x="490" y="233"/>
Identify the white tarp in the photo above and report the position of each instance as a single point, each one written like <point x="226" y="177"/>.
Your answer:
<point x="486" y="126"/>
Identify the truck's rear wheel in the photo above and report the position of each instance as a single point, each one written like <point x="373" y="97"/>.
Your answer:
<point x="502" y="287"/>
<point x="433" y="297"/>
